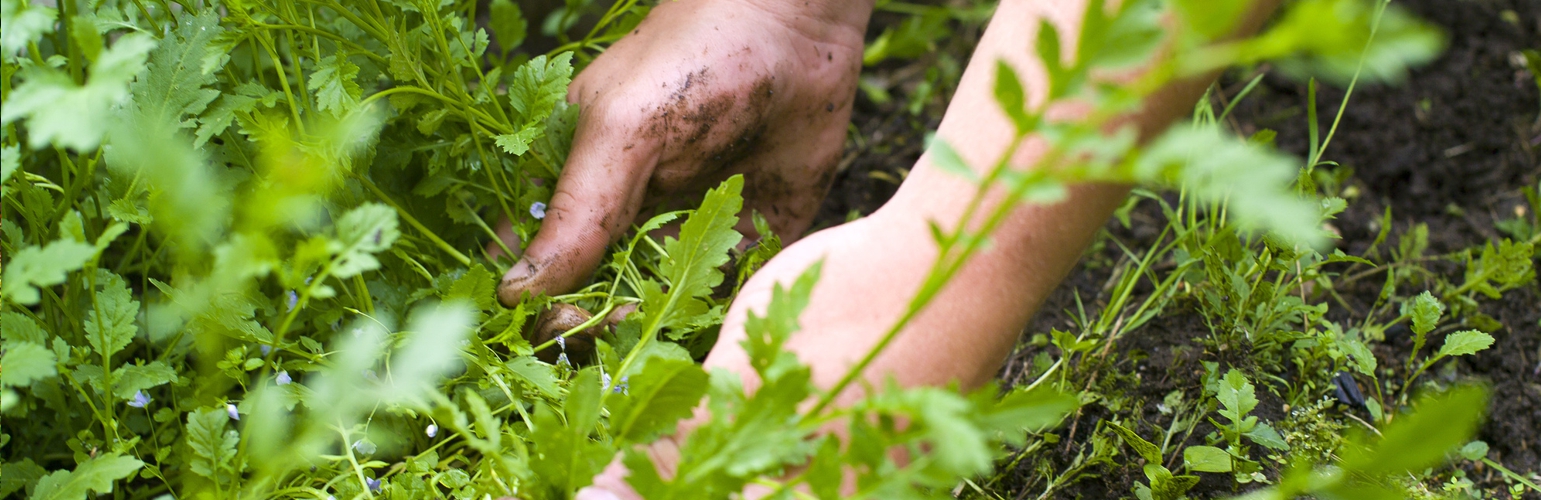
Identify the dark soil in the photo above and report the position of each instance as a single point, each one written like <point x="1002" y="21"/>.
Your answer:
<point x="1450" y="148"/>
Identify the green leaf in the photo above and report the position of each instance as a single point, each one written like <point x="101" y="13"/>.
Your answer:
<point x="507" y="24"/>
<point x="947" y="159"/>
<point x="110" y="326"/>
<point x="1329" y="38"/>
<point x="1413" y="441"/>
<point x="658" y="398"/>
<point x="1265" y="435"/>
<point x="34" y="267"/>
<point x="693" y="262"/>
<point x="1475" y="450"/>
<point x="534" y="374"/>
<point x="174" y="87"/>
<point x="16" y="327"/>
<point x="1236" y="396"/>
<point x="1012" y="98"/>
<point x="1143" y="448"/>
<point x="214" y="446"/>
<point x="1464" y="342"/>
<point x="1206" y="459"/>
<point x="477" y="286"/>
<point x="431" y="351"/>
<point x="518" y="143"/>
<point x="1052" y="56"/>
<point x="244" y="99"/>
<point x="17" y="475"/>
<point x="539" y="84"/>
<point x="95" y="475"/>
<point x="1212" y="19"/>
<point x="65" y="114"/>
<point x="335" y="83"/>
<point x="129" y="379"/>
<point x="24" y="22"/>
<point x="1203" y="160"/>
<point x="362" y="232"/>
<point x="766" y="335"/>
<point x="564" y="459"/>
<point x="1426" y="313"/>
<point x="25" y="362"/>
<point x="10" y="161"/>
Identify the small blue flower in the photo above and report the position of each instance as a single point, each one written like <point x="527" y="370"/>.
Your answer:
<point x="140" y="400"/>
<point x="293" y="299"/>
<point x="283" y="378"/>
<point x="374" y="484"/>
<point x="538" y="210"/>
<point x="621" y="387"/>
<point x="265" y="349"/>
<point x="364" y="446"/>
<point x="230" y="409"/>
<point x="432" y="430"/>
<point x="561" y="342"/>
<point x="604" y="380"/>
<point x="561" y="359"/>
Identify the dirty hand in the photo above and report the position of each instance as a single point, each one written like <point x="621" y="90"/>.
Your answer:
<point x="701" y="90"/>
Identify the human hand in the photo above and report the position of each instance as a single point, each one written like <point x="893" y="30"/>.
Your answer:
<point x="700" y="91"/>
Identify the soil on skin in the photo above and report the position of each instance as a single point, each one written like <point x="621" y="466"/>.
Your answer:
<point x="1450" y="147"/>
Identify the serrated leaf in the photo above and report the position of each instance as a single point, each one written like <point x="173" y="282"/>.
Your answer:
<point x="1141" y="447"/>
<point x="539" y="84"/>
<point x="25" y="362"/>
<point x="477" y="286"/>
<point x="657" y="398"/>
<point x="1426" y="313"/>
<point x="130" y="379"/>
<point x="10" y="161"/>
<point x="16" y="327"/>
<point x="362" y="232"/>
<point x="24" y="22"/>
<point x="693" y="262"/>
<point x="1236" y="396"/>
<point x="335" y="82"/>
<point x="110" y="326"/>
<point x="766" y="335"/>
<point x="214" y="447"/>
<point x="507" y="24"/>
<point x="245" y="99"/>
<point x="535" y="374"/>
<point x="174" y="86"/>
<point x="34" y="267"/>
<point x="61" y="113"/>
<point x="19" y="474"/>
<point x="1203" y="159"/>
<point x="1464" y="342"/>
<point x="1206" y="459"/>
<point x="95" y="475"/>
<point x="518" y="143"/>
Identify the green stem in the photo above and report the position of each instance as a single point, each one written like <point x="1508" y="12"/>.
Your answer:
<point x="439" y="242"/>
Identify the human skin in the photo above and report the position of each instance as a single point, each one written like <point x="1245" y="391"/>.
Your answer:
<point x="699" y="91"/>
<point x="872" y="267"/>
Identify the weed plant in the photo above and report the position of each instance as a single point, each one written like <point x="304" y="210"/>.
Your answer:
<point x="238" y="265"/>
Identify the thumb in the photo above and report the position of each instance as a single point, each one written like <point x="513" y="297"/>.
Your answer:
<point x="597" y="196"/>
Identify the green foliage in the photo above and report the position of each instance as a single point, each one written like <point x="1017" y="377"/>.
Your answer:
<point x="244" y="251"/>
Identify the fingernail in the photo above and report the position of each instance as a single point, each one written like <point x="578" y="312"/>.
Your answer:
<point x="522" y="271"/>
